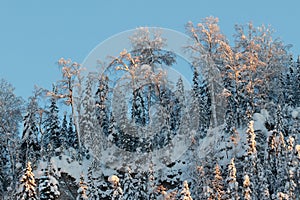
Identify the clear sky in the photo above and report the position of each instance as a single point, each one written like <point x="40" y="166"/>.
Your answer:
<point x="35" y="34"/>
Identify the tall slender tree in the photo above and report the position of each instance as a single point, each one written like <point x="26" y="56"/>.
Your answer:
<point x="27" y="187"/>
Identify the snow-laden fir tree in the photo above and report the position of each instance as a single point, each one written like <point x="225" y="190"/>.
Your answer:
<point x="281" y="165"/>
<point x="263" y="184"/>
<point x="185" y="194"/>
<point x="297" y="83"/>
<point x="72" y="137"/>
<point x="247" y="193"/>
<point x="113" y="133"/>
<point x="179" y="105"/>
<point x="291" y="167"/>
<point x="11" y="107"/>
<point x="128" y="185"/>
<point x="141" y="185"/>
<point x="117" y="192"/>
<point x="29" y="144"/>
<point x="82" y="190"/>
<point x="205" y="107"/>
<point x="27" y="187"/>
<point x="48" y="185"/>
<point x="64" y="132"/>
<point x="195" y="99"/>
<point x="218" y="184"/>
<point x="250" y="159"/>
<point x="232" y="184"/>
<point x="87" y="120"/>
<point x="138" y="108"/>
<point x="101" y="103"/>
<point x="51" y="125"/>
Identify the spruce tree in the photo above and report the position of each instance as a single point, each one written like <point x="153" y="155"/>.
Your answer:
<point x="72" y="137"/>
<point x="27" y="187"/>
<point x="64" y="131"/>
<point x="128" y="185"/>
<point x="101" y="104"/>
<point x="179" y="105"/>
<point x="51" y="124"/>
<point x="232" y="184"/>
<point x="29" y="143"/>
<point x="81" y="192"/>
<point x="87" y="120"/>
<point x="250" y="159"/>
<point x="117" y="192"/>
<point x="247" y="193"/>
<point x="48" y="185"/>
<point x="185" y="194"/>
<point x="218" y="185"/>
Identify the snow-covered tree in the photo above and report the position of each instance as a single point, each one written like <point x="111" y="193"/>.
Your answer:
<point x="117" y="192"/>
<point x="64" y="131"/>
<point x="11" y="107"/>
<point x="29" y="144"/>
<point x="232" y="184"/>
<point x="185" y="194"/>
<point x="82" y="189"/>
<point x="207" y="38"/>
<point x="247" y="193"/>
<point x="88" y="118"/>
<point x="70" y="83"/>
<point x="52" y="125"/>
<point x="72" y="137"/>
<point x="297" y="82"/>
<point x="218" y="185"/>
<point x="101" y="104"/>
<point x="250" y="165"/>
<point x="205" y="107"/>
<point x="128" y="185"/>
<point x="138" y="108"/>
<point x="27" y="187"/>
<point x="179" y="105"/>
<point x="48" y="185"/>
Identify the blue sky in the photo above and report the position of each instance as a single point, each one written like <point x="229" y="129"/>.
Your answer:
<point x="35" y="34"/>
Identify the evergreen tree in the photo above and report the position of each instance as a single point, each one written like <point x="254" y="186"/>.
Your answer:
<point x="179" y="105"/>
<point x="195" y="107"/>
<point x="51" y="125"/>
<point x="29" y="144"/>
<point x="218" y="185"/>
<point x="90" y="183"/>
<point x="263" y="185"/>
<point x="64" y="131"/>
<point x="292" y="167"/>
<point x="113" y="133"/>
<point x="138" y="108"/>
<point x="128" y="185"/>
<point x="142" y="185"/>
<point x="11" y="108"/>
<point x="72" y="137"/>
<point x="297" y="83"/>
<point x="250" y="165"/>
<point x="233" y="185"/>
<point x="117" y="192"/>
<point x="246" y="188"/>
<point x="82" y="189"/>
<point x="87" y="120"/>
<point x="281" y="165"/>
<point x="185" y="193"/>
<point x="205" y="108"/>
<point x="101" y="104"/>
<point x="27" y="187"/>
<point x="48" y="186"/>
